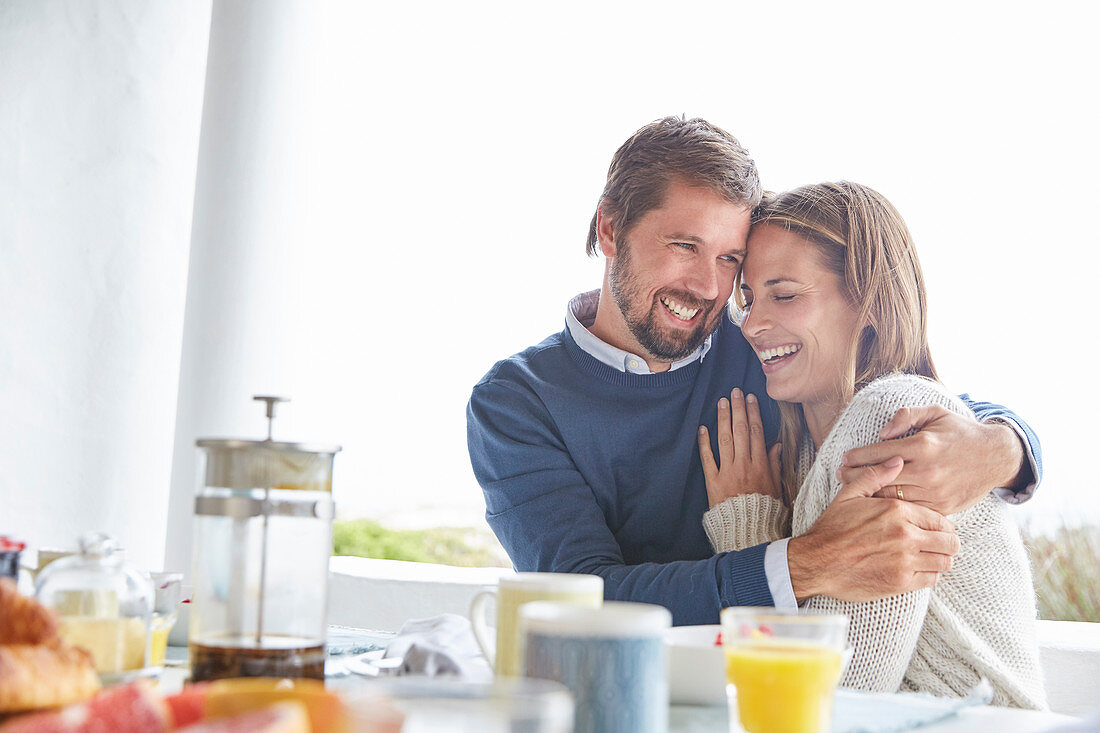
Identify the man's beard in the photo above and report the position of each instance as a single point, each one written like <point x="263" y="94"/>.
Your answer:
<point x="643" y="321"/>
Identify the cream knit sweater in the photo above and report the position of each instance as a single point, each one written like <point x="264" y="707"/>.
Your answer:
<point x="979" y="619"/>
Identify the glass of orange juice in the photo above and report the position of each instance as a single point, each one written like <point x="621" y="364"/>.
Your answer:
<point x="782" y="668"/>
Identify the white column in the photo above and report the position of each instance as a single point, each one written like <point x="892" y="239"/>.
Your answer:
<point x="99" y="131"/>
<point x="249" y="198"/>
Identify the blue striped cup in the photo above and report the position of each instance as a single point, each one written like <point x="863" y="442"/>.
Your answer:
<point x="612" y="658"/>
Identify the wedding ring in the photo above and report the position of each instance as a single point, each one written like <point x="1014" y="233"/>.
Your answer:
<point x="897" y="488"/>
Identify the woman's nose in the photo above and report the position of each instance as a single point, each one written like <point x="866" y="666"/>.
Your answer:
<point x="754" y="322"/>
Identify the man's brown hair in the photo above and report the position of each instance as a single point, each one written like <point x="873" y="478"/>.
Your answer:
<point x="694" y="151"/>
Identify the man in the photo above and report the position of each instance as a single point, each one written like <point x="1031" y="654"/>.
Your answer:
<point x="585" y="445"/>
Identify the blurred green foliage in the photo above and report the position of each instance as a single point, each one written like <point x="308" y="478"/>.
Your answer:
<point x="463" y="546"/>
<point x="1067" y="580"/>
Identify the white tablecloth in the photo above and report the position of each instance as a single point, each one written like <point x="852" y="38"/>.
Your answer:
<point x="690" y="719"/>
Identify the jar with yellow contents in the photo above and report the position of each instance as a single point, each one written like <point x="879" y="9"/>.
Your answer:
<point x="104" y="605"/>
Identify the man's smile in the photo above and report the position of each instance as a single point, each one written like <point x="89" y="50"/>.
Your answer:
<point x="681" y="312"/>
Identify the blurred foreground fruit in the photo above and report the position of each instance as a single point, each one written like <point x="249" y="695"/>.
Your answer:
<point x="282" y="717"/>
<point x="189" y="705"/>
<point x="234" y="696"/>
<point x="132" y="708"/>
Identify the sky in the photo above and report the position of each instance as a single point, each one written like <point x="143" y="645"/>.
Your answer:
<point x="457" y="152"/>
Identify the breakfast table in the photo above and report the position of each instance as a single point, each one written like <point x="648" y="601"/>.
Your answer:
<point x="705" y="718"/>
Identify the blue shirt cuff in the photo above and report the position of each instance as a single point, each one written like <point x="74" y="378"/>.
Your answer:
<point x="1008" y="495"/>
<point x="779" y="575"/>
<point x="747" y="585"/>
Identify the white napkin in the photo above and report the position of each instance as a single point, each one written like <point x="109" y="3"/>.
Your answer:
<point x="440" y="646"/>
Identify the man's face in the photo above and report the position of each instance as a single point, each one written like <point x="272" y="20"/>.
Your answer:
<point x="672" y="275"/>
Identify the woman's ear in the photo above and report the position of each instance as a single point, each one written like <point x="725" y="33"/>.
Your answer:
<point x="605" y="231"/>
<point x="867" y="336"/>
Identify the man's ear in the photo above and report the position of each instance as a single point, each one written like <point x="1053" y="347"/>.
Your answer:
<point x="605" y="231"/>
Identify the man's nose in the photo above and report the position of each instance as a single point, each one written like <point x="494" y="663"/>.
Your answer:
<point x="705" y="281"/>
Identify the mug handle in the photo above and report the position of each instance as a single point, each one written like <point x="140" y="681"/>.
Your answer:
<point x="485" y="639"/>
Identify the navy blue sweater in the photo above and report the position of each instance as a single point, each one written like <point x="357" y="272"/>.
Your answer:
<point x="587" y="469"/>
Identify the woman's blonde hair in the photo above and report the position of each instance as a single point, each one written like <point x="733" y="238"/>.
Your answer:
<point x="863" y="240"/>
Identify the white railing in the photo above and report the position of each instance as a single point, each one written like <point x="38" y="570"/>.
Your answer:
<point x="383" y="594"/>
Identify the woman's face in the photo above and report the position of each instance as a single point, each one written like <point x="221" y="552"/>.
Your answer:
<point x="800" y="323"/>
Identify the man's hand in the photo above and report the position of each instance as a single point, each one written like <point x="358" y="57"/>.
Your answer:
<point x="950" y="464"/>
<point x="862" y="547"/>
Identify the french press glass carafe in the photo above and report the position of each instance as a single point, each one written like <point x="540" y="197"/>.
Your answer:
<point x="263" y="537"/>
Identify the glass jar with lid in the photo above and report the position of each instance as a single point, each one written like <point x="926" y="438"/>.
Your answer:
<point x="103" y="604"/>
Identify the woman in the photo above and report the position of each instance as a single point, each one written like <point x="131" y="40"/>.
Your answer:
<point x="832" y="300"/>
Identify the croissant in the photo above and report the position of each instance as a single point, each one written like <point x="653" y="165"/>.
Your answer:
<point x="37" y="669"/>
<point x="23" y="620"/>
<point x="34" y="676"/>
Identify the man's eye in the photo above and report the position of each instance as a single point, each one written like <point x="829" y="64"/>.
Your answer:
<point x="685" y="245"/>
<point x="732" y="259"/>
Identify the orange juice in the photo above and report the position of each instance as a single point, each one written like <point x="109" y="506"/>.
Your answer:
<point x="159" y="628"/>
<point x="783" y="687"/>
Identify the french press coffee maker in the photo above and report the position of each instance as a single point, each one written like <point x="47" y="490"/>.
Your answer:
<point x="263" y="537"/>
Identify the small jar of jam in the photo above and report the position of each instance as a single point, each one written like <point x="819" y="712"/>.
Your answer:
<point x="10" y="550"/>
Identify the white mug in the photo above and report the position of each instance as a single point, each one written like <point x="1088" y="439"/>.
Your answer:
<point x="512" y="592"/>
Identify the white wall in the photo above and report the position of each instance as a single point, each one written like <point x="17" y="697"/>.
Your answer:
<point x="99" y="126"/>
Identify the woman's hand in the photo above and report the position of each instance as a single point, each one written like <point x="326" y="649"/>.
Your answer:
<point x="747" y="466"/>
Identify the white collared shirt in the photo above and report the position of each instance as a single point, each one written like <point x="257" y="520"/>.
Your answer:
<point x="579" y="317"/>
